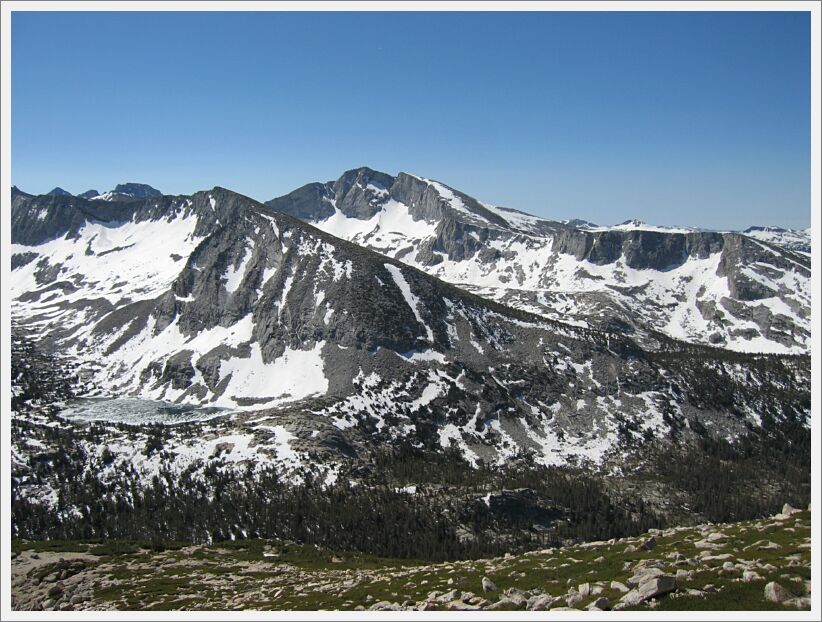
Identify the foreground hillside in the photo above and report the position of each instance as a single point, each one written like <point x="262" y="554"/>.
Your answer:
<point x="754" y="565"/>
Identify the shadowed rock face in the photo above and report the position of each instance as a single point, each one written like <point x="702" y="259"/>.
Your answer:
<point x="306" y="203"/>
<point x="358" y="192"/>
<point x="642" y="250"/>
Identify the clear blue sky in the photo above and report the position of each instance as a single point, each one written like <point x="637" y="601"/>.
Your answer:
<point x="698" y="119"/>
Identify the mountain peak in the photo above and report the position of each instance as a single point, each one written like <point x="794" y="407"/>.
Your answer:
<point x="137" y="191"/>
<point x="59" y="192"/>
<point x="633" y="222"/>
<point x="579" y="223"/>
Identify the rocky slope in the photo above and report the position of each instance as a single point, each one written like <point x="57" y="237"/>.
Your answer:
<point x="753" y="565"/>
<point x="746" y="292"/>
<point x="215" y="300"/>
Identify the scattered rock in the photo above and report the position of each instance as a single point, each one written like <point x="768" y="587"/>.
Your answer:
<point x="643" y="575"/>
<point x="658" y="586"/>
<point x="616" y="585"/>
<point x="800" y="602"/>
<point x="600" y="603"/>
<point x="649" y="544"/>
<point x="449" y="596"/>
<point x="750" y="576"/>
<point x="540" y="603"/>
<point x="789" y="510"/>
<point x="775" y="593"/>
<point x="704" y="544"/>
<point x="572" y="598"/>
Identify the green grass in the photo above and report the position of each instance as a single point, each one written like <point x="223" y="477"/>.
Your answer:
<point x="221" y="569"/>
<point x="52" y="546"/>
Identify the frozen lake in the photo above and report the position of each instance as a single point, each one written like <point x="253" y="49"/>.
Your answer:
<point x="137" y="411"/>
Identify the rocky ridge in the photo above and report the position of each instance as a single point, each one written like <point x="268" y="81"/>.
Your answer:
<point x="744" y="292"/>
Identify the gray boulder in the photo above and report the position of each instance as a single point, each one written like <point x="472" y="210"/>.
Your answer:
<point x="775" y="593"/>
<point x="488" y="585"/>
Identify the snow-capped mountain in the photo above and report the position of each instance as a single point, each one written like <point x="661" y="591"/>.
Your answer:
<point x="798" y="240"/>
<point x="125" y="192"/>
<point x="214" y="299"/>
<point x="727" y="289"/>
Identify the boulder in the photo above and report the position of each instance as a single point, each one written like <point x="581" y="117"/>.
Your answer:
<point x="600" y="604"/>
<point x="775" y="593"/>
<point x="800" y="602"/>
<point x="449" y="596"/>
<point x="750" y="576"/>
<point x="649" y="544"/>
<point x="789" y="510"/>
<point x="540" y="603"/>
<point x="616" y="585"/>
<point x="652" y="588"/>
<point x="502" y="602"/>
<point x="704" y="544"/>
<point x="573" y="597"/>
<point x="643" y="575"/>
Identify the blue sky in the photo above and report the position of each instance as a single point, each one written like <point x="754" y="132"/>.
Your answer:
<point x="698" y="119"/>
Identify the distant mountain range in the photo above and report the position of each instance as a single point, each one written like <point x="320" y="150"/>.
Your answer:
<point x="361" y="325"/>
<point x="746" y="292"/>
<point x="122" y="192"/>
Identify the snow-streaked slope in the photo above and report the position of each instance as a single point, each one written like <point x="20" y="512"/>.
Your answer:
<point x="798" y="240"/>
<point x="223" y="302"/>
<point x="527" y="262"/>
<point x="111" y="262"/>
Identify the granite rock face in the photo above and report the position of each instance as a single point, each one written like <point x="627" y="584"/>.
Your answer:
<point x="697" y="286"/>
